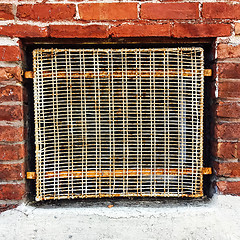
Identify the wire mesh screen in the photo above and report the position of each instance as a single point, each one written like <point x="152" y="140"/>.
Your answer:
<point x="118" y="122"/>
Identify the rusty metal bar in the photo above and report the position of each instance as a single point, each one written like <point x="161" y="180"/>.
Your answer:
<point x="117" y="173"/>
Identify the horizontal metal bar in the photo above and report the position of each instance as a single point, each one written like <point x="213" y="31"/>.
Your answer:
<point x="120" y="173"/>
<point x="143" y="73"/>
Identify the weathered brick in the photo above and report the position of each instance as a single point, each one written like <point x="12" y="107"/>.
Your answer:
<point x="11" y="113"/>
<point x="11" y="134"/>
<point x="232" y="188"/>
<point x="226" y="150"/>
<point x="46" y="12"/>
<point x="237" y="28"/>
<point x="181" y="30"/>
<point x="12" y="152"/>
<point x="10" y="73"/>
<point x="229" y="70"/>
<point x="5" y="207"/>
<point x="11" y="93"/>
<point x="6" y="12"/>
<point x="76" y="31"/>
<point x="221" y="10"/>
<point x="169" y="11"/>
<point x="227" y="169"/>
<point x="12" y="191"/>
<point x="227" y="131"/>
<point x="228" y="51"/>
<point x="108" y="11"/>
<point x="229" y="89"/>
<point x="9" y="53"/>
<point x="228" y="109"/>
<point x="10" y="172"/>
<point x="23" y="31"/>
<point x="141" y="30"/>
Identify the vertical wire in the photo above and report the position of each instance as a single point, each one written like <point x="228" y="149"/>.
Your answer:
<point x="126" y="99"/>
<point x="57" y="115"/>
<point x="96" y="118"/>
<point x="154" y="122"/>
<point x="151" y="123"/>
<point x="54" y="137"/>
<point x="193" y="83"/>
<point x="99" y="124"/>
<point x="36" y="70"/>
<point x="182" y="128"/>
<point x="85" y="123"/>
<point x="43" y="148"/>
<point x="123" y="122"/>
<point x="71" y="120"/>
<point x="164" y="119"/>
<point x="168" y="120"/>
<point x="137" y="95"/>
<point x="110" y="123"/>
<point x="113" y="124"/>
<point x="201" y="118"/>
<point x="141" y="128"/>
<point x="68" y="121"/>
<point x="178" y="114"/>
<point x="82" y="125"/>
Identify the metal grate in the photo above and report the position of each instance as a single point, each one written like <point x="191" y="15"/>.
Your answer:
<point x="118" y="122"/>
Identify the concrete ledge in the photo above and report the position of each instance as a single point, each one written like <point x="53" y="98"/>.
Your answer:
<point x="217" y="219"/>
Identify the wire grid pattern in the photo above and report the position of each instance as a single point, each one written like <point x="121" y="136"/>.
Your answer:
<point x="118" y="122"/>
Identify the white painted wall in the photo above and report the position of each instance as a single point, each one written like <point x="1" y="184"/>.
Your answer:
<point x="217" y="219"/>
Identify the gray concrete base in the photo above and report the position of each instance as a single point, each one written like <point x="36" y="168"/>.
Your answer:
<point x="217" y="219"/>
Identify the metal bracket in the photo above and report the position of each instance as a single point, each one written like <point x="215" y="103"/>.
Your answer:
<point x="31" y="175"/>
<point x="206" y="171"/>
<point x="28" y="74"/>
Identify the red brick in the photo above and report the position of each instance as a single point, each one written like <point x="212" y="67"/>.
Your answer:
<point x="201" y="30"/>
<point x="10" y="172"/>
<point x="12" y="191"/>
<point x="228" y="109"/>
<point x="108" y="11"/>
<point x="9" y="53"/>
<point x="221" y="10"/>
<point x="229" y="89"/>
<point x="10" y="73"/>
<point x="228" y="131"/>
<point x="229" y="187"/>
<point x="237" y="28"/>
<point x="5" y="207"/>
<point x="11" y="134"/>
<point x="226" y="150"/>
<point x="11" y="93"/>
<point x="228" y="51"/>
<point x="141" y="30"/>
<point x="169" y="11"/>
<point x="11" y="113"/>
<point x="75" y="31"/>
<point x="238" y="150"/>
<point x="227" y="169"/>
<point x="46" y="12"/>
<point x="229" y="70"/>
<point x="23" y="31"/>
<point x="6" y="12"/>
<point x="12" y="152"/>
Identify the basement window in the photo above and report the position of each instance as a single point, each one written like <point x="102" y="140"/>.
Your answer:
<point x="118" y="122"/>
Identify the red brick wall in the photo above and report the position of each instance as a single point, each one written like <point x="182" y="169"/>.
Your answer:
<point x="21" y="19"/>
